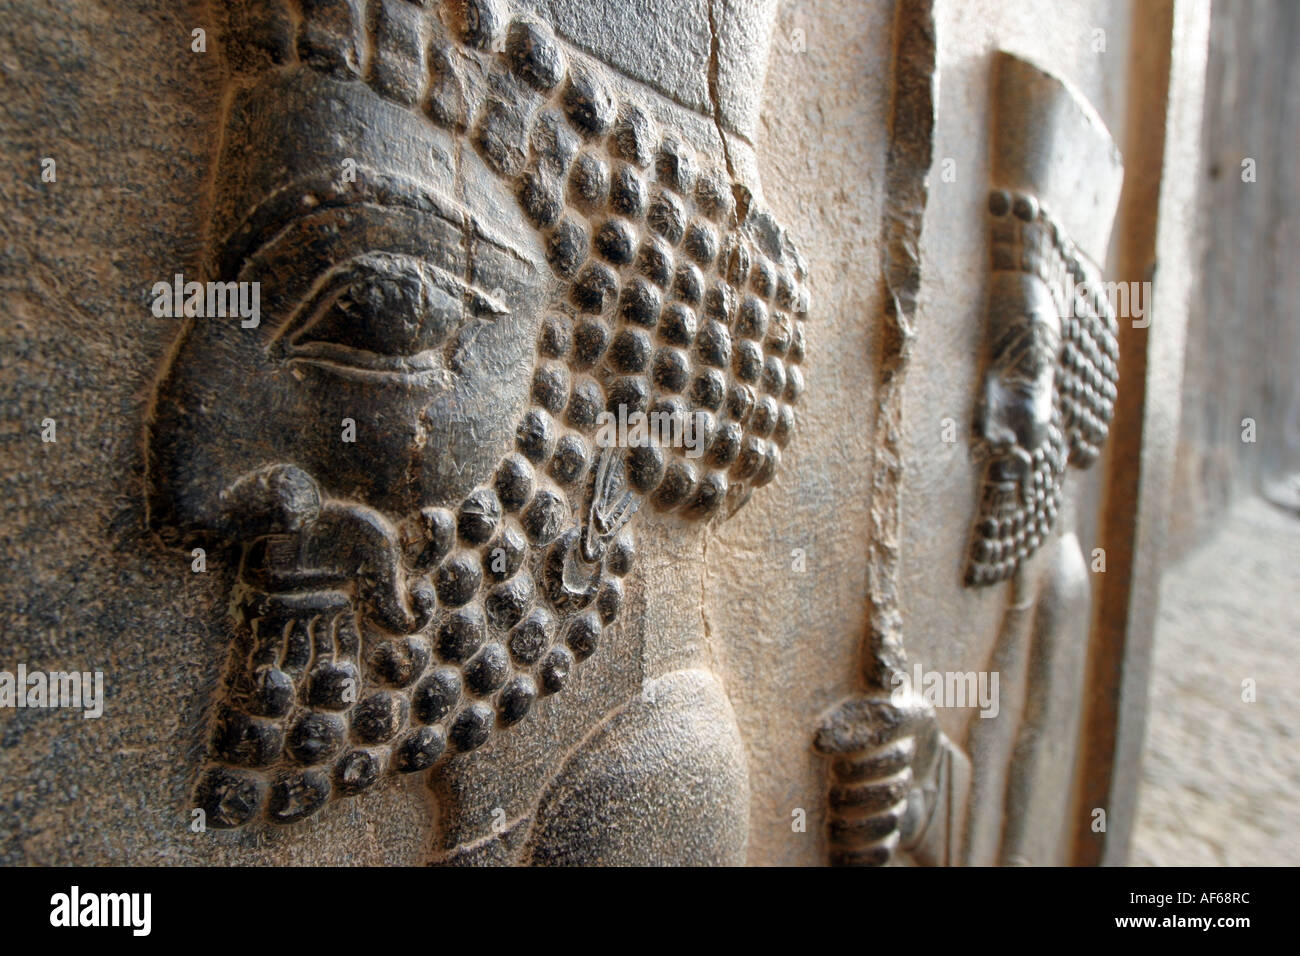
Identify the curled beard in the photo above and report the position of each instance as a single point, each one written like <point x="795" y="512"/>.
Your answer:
<point x="1015" y="517"/>
<point x="364" y="649"/>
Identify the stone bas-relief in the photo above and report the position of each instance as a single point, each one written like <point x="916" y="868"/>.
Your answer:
<point x="1052" y="349"/>
<point x="898" y="785"/>
<point x="403" y="195"/>
<point x="470" y="245"/>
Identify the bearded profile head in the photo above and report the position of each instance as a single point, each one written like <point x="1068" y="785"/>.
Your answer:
<point x="473" y="242"/>
<point x="1051" y="362"/>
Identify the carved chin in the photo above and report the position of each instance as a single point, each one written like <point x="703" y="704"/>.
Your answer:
<point x="366" y="647"/>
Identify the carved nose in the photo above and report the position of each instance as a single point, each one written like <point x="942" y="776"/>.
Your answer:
<point x="998" y="433"/>
<point x="995" y="420"/>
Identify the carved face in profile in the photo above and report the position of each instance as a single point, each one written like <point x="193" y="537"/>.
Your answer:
<point x="1019" y="394"/>
<point x="1048" y="389"/>
<point x="454" y="289"/>
<point x="398" y="314"/>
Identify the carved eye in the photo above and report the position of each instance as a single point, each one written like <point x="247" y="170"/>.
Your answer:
<point x="398" y="313"/>
<point x="1022" y="389"/>
<point x="385" y="306"/>
<point x="1033" y="359"/>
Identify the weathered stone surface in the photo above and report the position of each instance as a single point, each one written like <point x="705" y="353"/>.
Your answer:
<point x="436" y="616"/>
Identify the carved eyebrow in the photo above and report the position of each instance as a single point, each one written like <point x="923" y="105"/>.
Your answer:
<point x="311" y="195"/>
<point x="341" y="274"/>
<point x="1036" y="341"/>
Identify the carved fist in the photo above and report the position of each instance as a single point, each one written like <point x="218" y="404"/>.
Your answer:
<point x="884" y="754"/>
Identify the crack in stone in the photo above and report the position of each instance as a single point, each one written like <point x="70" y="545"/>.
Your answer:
<point x="714" y="65"/>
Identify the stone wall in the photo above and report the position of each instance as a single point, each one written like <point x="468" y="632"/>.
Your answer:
<point x="873" y="146"/>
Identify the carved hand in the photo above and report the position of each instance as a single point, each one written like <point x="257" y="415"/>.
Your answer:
<point x="884" y="752"/>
